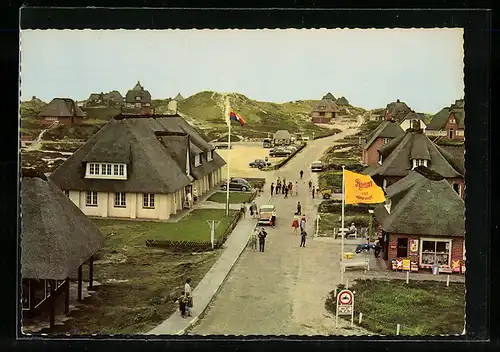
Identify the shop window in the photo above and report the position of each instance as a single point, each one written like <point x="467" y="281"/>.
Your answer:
<point x="402" y="248"/>
<point x="435" y="252"/>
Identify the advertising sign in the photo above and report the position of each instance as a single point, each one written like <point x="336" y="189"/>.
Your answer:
<point x="413" y="247"/>
<point x="406" y="264"/>
<point x="455" y="266"/>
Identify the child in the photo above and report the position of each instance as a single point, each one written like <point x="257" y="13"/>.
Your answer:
<point x="182" y="304"/>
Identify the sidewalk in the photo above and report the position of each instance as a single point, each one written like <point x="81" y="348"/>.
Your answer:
<point x="208" y="287"/>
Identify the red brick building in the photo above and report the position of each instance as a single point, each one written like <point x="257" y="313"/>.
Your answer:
<point x="62" y="110"/>
<point x="422" y="221"/>
<point x="412" y="149"/>
<point x="383" y="134"/>
<point x="325" y="110"/>
<point x="448" y="123"/>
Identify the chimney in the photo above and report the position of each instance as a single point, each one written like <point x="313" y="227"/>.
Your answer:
<point x="397" y="101"/>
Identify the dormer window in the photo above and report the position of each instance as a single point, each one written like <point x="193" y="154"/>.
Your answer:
<point x="419" y="162"/>
<point x="386" y="140"/>
<point x="113" y="171"/>
<point x="210" y="155"/>
<point x="138" y="98"/>
<point x="197" y="160"/>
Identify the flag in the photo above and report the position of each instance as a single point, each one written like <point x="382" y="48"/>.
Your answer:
<point x="235" y="117"/>
<point x="360" y="189"/>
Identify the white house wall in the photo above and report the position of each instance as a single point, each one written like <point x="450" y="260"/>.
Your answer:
<point x="407" y="124"/>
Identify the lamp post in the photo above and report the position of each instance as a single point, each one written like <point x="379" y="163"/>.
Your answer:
<point x="371" y="222"/>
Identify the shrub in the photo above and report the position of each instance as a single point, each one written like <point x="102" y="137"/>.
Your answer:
<point x="352" y="166"/>
<point x="331" y="132"/>
<point x="335" y="206"/>
<point x="329" y="180"/>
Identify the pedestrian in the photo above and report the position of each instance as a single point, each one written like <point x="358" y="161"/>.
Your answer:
<point x="310" y="185"/>
<point x="299" y="208"/>
<point x="182" y="304"/>
<point x="195" y="195"/>
<point x="303" y="223"/>
<point x="284" y="180"/>
<point x="378" y="248"/>
<point x="296" y="188"/>
<point x="189" y="198"/>
<point x="295" y="223"/>
<point x="301" y="174"/>
<point x="273" y="220"/>
<point x="262" y="239"/>
<point x="278" y="186"/>
<point x="253" y="239"/>
<point x="317" y="189"/>
<point x="255" y="209"/>
<point x="285" y="190"/>
<point x="189" y="295"/>
<point x="250" y="208"/>
<point x="313" y="192"/>
<point x="303" y="235"/>
<point x="243" y="209"/>
<point x="272" y="189"/>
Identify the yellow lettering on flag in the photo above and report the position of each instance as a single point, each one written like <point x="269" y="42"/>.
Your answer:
<point x="361" y="189"/>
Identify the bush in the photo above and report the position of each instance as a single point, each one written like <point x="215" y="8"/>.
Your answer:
<point x="450" y="142"/>
<point x="335" y="206"/>
<point x="329" y="133"/>
<point x="353" y="166"/>
<point x="330" y="180"/>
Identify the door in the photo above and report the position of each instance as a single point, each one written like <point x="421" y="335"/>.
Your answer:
<point x="402" y="248"/>
<point x="451" y="134"/>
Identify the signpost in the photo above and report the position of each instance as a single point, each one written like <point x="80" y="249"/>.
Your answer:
<point x="213" y="225"/>
<point x="317" y="224"/>
<point x="345" y="306"/>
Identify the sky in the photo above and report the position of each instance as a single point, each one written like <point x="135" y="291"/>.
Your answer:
<point x="372" y="67"/>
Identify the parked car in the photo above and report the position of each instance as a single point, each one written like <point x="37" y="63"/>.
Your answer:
<point x="317" y="166"/>
<point x="266" y="212"/>
<point x="259" y="163"/>
<point x="279" y="151"/>
<point x="239" y="184"/>
<point x="291" y="148"/>
<point x="222" y="145"/>
<point x="267" y="143"/>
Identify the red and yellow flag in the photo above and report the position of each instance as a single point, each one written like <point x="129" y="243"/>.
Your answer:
<point x="361" y="189"/>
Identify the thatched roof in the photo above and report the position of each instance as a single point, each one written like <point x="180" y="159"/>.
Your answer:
<point x="138" y="91"/>
<point x="439" y="120"/>
<point x="138" y="86"/>
<point x="422" y="204"/>
<point x="62" y="107"/>
<point x="282" y="134"/>
<point x="178" y="97"/>
<point x="397" y="156"/>
<point x="56" y="237"/>
<point x="412" y="115"/>
<point x="155" y="149"/>
<point x="329" y="96"/>
<point x="342" y="101"/>
<point x="326" y="105"/>
<point x="397" y="110"/>
<point x="387" y="129"/>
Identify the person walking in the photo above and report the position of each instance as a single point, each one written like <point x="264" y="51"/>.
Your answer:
<point x="296" y="188"/>
<point x="317" y="190"/>
<point x="250" y="208"/>
<point x="295" y="223"/>
<point x="182" y="304"/>
<point x="378" y="248"/>
<point x="313" y="190"/>
<point x="301" y="174"/>
<point x="285" y="190"/>
<point x="310" y="185"/>
<point x="303" y="223"/>
<point x="253" y="239"/>
<point x="272" y="189"/>
<point x="290" y="188"/>
<point x="299" y="208"/>
<point x="262" y="239"/>
<point x="189" y="198"/>
<point x="284" y="180"/>
<point x="195" y="195"/>
<point x="189" y="296"/>
<point x="278" y="186"/>
<point x="283" y="187"/>
<point x="303" y="235"/>
<point x="255" y="209"/>
<point x="243" y="209"/>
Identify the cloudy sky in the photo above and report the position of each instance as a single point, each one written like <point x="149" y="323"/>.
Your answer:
<point x="371" y="68"/>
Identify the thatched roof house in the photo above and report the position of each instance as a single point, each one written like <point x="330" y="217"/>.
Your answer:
<point x="56" y="240"/>
<point x="412" y="119"/>
<point x="282" y="137"/>
<point x="158" y="155"/>
<point x="449" y="119"/>
<point x="383" y="134"/>
<point x="413" y="213"/>
<point x="178" y="97"/>
<point x="63" y="110"/>
<point x="324" y="110"/>
<point x="397" y="110"/>
<point x="342" y="101"/>
<point x="137" y="101"/>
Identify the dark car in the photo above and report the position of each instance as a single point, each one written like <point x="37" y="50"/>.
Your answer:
<point x="259" y="163"/>
<point x="267" y="143"/>
<point x="279" y="152"/>
<point x="239" y="184"/>
<point x="364" y="247"/>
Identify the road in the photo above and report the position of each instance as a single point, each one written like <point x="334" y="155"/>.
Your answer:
<point x="283" y="290"/>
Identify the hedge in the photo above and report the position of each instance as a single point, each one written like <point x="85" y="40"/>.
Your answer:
<point x="356" y="167"/>
<point x="287" y="159"/>
<point x="331" y="132"/>
<point x="351" y="209"/>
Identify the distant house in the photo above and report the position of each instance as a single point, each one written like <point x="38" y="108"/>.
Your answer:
<point x="56" y="240"/>
<point x="62" y="110"/>
<point x="282" y="137"/>
<point x="325" y="110"/>
<point x="449" y="123"/>
<point x="342" y="101"/>
<point x="411" y="119"/>
<point x="178" y="97"/>
<point x="111" y="98"/>
<point x="383" y="134"/>
<point x="423" y="221"/>
<point x="397" y="110"/>
<point x="139" y="167"/>
<point x="137" y="101"/>
<point x="410" y="150"/>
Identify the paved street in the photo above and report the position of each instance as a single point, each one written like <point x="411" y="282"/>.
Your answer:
<point x="283" y="290"/>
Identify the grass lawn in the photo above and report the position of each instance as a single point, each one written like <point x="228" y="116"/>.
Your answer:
<point x="234" y="197"/>
<point x="421" y="307"/>
<point x="330" y="180"/>
<point x="330" y="221"/>
<point x="193" y="227"/>
<point x="155" y="276"/>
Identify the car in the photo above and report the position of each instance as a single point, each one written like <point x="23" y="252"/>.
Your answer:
<point x="317" y="166"/>
<point x="239" y="184"/>
<point x="266" y="213"/>
<point x="259" y="163"/>
<point x="222" y="145"/>
<point x="305" y="138"/>
<point x="279" y="152"/>
<point x="267" y="143"/>
<point x="291" y="148"/>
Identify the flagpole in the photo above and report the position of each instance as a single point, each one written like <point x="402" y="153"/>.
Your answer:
<point x="343" y="228"/>
<point x="228" y="155"/>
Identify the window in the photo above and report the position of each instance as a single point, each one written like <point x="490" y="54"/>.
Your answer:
<point x="138" y="98"/>
<point x="197" y="160"/>
<point x="115" y="170"/>
<point x="97" y="170"/>
<point x="108" y="169"/>
<point x="457" y="188"/>
<point x="91" y="199"/>
<point x="419" y="162"/>
<point x="210" y="155"/>
<point x="103" y="169"/>
<point x="91" y="169"/>
<point x="138" y="105"/>
<point x="386" y="140"/>
<point x="120" y="200"/>
<point x="435" y="252"/>
<point x="148" y="200"/>
<point x="321" y="113"/>
<point x="66" y="193"/>
<point x="121" y="168"/>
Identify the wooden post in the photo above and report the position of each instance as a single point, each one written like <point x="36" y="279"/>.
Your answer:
<point x="66" y="297"/>
<point x="91" y="272"/>
<point x="447" y="280"/>
<point x="52" y="306"/>
<point x="371" y="228"/>
<point x="360" y="317"/>
<point x="398" y="327"/>
<point x="79" y="283"/>
<point x="407" y="277"/>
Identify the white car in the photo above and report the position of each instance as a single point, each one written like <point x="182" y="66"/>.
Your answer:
<point x="317" y="166"/>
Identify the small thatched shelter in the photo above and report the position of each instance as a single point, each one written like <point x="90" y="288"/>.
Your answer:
<point x="56" y="240"/>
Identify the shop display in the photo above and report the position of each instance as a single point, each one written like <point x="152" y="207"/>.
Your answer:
<point x="455" y="266"/>
<point x="414" y="266"/>
<point x="406" y="264"/>
<point x="413" y="247"/>
<point x="393" y="264"/>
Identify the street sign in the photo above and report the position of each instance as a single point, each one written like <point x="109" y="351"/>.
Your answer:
<point x="345" y="305"/>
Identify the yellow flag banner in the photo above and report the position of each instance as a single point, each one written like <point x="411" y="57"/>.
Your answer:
<point x="360" y="189"/>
